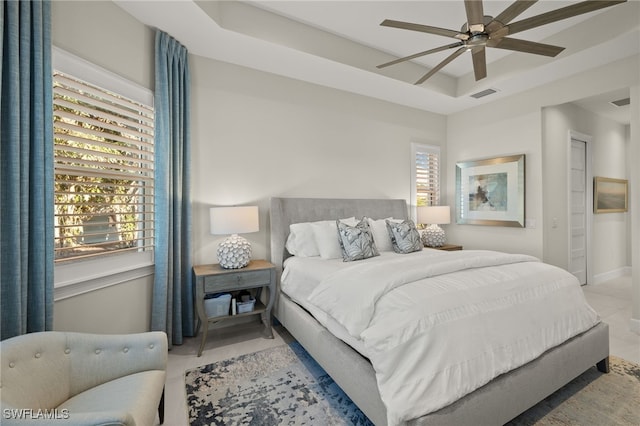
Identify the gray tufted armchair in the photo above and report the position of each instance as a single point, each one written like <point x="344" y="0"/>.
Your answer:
<point x="83" y="379"/>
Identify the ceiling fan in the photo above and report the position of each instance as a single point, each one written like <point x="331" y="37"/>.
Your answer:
<point x="481" y="31"/>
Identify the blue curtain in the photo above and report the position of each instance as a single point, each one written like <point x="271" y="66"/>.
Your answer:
<point x="26" y="172"/>
<point x="172" y="308"/>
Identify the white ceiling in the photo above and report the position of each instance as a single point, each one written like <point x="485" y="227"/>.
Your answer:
<point x="359" y="21"/>
<point x="339" y="43"/>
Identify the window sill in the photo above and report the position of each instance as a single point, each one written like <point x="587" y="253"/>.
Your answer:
<point x="73" y="279"/>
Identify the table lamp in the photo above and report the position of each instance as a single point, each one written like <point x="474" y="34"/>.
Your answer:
<point x="235" y="251"/>
<point x="433" y="235"/>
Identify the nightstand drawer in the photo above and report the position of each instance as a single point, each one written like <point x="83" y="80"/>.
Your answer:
<point x="231" y="281"/>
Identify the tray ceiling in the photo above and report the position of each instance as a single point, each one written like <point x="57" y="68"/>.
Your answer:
<point x="339" y="43"/>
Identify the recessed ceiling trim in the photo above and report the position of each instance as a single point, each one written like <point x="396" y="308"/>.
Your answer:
<point x="200" y="33"/>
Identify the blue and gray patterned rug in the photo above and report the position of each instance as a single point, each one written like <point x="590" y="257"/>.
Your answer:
<point x="278" y="386"/>
<point x="285" y="386"/>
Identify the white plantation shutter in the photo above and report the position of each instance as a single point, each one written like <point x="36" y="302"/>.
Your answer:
<point x="426" y="175"/>
<point x="104" y="160"/>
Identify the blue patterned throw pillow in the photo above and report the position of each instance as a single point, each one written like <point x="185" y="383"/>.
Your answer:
<point x="356" y="241"/>
<point x="405" y="238"/>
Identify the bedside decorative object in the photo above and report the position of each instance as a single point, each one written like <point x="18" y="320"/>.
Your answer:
<point x="235" y="251"/>
<point x="433" y="235"/>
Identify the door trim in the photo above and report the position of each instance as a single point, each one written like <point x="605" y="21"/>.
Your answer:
<point x="589" y="197"/>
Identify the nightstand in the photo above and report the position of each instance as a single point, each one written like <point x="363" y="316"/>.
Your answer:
<point x="448" y="247"/>
<point x="215" y="279"/>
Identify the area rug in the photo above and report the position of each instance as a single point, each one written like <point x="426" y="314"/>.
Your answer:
<point x="592" y="399"/>
<point x="285" y="386"/>
<point x="278" y="386"/>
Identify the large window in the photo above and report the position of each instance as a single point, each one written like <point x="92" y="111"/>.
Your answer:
<point x="425" y="167"/>
<point x="103" y="169"/>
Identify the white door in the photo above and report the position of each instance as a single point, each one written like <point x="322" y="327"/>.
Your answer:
<point x="578" y="211"/>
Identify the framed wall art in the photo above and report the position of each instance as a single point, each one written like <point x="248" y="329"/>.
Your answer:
<point x="491" y="191"/>
<point x="610" y="195"/>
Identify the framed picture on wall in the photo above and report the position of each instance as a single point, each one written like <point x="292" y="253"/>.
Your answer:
<point x="491" y="191"/>
<point x="610" y="195"/>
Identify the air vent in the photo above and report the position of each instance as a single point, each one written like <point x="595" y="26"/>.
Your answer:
<point x="622" y="102"/>
<point x="483" y="93"/>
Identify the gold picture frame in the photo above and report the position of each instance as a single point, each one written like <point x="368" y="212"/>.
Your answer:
<point x="610" y="195"/>
<point x="491" y="191"/>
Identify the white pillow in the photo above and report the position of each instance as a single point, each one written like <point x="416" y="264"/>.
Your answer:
<point x="301" y="241"/>
<point x="381" y="234"/>
<point x="326" y="236"/>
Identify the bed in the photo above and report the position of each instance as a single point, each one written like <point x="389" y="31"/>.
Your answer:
<point x="494" y="403"/>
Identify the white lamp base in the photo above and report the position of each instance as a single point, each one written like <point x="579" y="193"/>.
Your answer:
<point x="433" y="236"/>
<point x="234" y="252"/>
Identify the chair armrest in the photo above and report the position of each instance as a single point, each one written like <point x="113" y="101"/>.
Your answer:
<point x="26" y="417"/>
<point x="97" y="359"/>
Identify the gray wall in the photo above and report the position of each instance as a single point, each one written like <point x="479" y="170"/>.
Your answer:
<point x="634" y="205"/>
<point x="105" y="35"/>
<point x="102" y="33"/>
<point x="257" y="135"/>
<point x="609" y="147"/>
<point x="488" y="133"/>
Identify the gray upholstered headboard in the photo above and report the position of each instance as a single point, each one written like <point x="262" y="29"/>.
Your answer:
<point x="285" y="211"/>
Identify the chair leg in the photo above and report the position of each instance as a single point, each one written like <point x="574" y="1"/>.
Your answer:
<point x="161" y="408"/>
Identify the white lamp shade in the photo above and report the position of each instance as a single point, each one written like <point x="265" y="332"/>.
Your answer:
<point x="233" y="220"/>
<point x="438" y="215"/>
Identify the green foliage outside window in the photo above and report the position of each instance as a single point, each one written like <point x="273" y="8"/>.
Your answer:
<point x="102" y="189"/>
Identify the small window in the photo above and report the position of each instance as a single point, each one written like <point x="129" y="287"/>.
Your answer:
<point x="104" y="157"/>
<point x="425" y="167"/>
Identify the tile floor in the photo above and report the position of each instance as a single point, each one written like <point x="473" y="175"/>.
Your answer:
<point x="612" y="300"/>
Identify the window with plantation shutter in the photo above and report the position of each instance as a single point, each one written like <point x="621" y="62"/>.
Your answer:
<point x="425" y="175"/>
<point x="104" y="177"/>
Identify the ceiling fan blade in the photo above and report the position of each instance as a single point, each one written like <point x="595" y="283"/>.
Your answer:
<point x="509" y="14"/>
<point x="424" y="29"/>
<point x="560" y="14"/>
<point x="417" y="55"/>
<point x="479" y="57"/>
<point x="475" y="15"/>
<point x="525" y="46"/>
<point x="442" y="64"/>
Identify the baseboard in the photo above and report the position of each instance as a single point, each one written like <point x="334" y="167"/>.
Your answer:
<point x="634" y="325"/>
<point x="610" y="275"/>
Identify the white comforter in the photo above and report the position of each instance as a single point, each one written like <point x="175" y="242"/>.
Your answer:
<point x="437" y="328"/>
